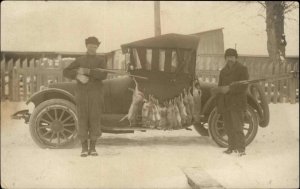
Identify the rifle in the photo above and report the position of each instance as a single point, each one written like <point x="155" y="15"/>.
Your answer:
<point x="84" y="80"/>
<point x="120" y="73"/>
<point x="270" y="78"/>
<point x="290" y="75"/>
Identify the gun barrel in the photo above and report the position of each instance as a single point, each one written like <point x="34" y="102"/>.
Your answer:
<point x="120" y="73"/>
<point x="271" y="78"/>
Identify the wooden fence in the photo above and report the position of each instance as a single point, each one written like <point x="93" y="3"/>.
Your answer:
<point x="23" y="73"/>
<point x="22" y="76"/>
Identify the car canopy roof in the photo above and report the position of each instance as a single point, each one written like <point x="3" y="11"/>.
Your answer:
<point x="166" y="41"/>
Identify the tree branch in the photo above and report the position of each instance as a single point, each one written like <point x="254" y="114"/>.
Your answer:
<point x="289" y="10"/>
<point x="288" y="7"/>
<point x="261" y="16"/>
<point x="262" y="3"/>
<point x="289" y="18"/>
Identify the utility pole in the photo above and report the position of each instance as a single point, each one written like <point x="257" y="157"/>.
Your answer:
<point x="157" y="29"/>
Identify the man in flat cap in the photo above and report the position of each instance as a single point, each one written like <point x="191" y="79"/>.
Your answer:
<point x="88" y="95"/>
<point x="232" y="101"/>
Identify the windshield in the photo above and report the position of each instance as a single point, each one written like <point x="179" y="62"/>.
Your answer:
<point x="165" y="60"/>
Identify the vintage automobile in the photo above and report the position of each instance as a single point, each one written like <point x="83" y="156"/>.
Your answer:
<point x="168" y="62"/>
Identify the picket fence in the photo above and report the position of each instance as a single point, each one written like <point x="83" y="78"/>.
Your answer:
<point x="23" y="76"/>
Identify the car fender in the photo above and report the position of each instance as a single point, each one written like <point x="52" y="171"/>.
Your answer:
<point x="253" y="103"/>
<point x="50" y="93"/>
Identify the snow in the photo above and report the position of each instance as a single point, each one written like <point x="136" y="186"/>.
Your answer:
<point x="152" y="159"/>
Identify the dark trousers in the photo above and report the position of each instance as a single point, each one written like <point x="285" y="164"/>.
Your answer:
<point x="89" y="110"/>
<point x="234" y="123"/>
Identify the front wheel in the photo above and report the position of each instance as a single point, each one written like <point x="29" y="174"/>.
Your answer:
<point x="53" y="124"/>
<point x="217" y="130"/>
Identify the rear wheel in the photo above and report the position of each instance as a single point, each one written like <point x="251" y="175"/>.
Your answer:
<point x="217" y="130"/>
<point x="202" y="128"/>
<point x="53" y="124"/>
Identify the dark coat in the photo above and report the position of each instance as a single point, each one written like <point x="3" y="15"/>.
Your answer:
<point x="87" y="61"/>
<point x="89" y="96"/>
<point x="236" y="98"/>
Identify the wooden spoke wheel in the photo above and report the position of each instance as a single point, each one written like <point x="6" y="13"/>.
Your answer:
<point x="53" y="124"/>
<point x="217" y="130"/>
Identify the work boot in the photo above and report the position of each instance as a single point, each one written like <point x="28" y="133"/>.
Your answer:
<point x="84" y="151"/>
<point x="92" y="150"/>
<point x="229" y="151"/>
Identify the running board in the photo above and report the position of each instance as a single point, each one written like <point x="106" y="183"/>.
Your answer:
<point x="120" y="130"/>
<point x="114" y="131"/>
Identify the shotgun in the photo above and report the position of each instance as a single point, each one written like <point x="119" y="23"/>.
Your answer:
<point x="292" y="74"/>
<point x="84" y="80"/>
<point x="120" y="73"/>
<point x="270" y="78"/>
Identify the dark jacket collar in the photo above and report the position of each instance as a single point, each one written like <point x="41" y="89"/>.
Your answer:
<point x="90" y="55"/>
<point x="228" y="70"/>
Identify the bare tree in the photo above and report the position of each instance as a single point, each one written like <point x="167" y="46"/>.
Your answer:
<point x="275" y="15"/>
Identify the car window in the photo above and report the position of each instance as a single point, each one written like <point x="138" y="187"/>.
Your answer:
<point x="155" y="59"/>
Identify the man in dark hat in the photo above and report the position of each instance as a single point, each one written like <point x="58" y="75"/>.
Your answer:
<point x="88" y="95"/>
<point x="232" y="101"/>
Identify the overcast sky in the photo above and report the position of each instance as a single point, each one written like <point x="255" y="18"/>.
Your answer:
<point x="63" y="26"/>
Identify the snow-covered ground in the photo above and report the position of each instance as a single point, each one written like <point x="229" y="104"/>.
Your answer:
<point x="153" y="159"/>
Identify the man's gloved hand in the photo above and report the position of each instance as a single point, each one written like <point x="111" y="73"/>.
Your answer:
<point x="221" y="89"/>
<point x="82" y="78"/>
<point x="84" y="71"/>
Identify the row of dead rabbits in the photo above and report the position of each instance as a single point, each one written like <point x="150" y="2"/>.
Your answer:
<point x="172" y="114"/>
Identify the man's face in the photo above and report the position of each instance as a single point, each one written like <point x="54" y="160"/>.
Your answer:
<point x="230" y="59"/>
<point x="91" y="48"/>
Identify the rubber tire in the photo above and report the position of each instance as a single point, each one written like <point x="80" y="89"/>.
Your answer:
<point x="35" y="113"/>
<point x="263" y="105"/>
<point x="201" y="129"/>
<point x="213" y="118"/>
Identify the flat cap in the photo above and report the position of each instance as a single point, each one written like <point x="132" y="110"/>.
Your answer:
<point x="231" y="52"/>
